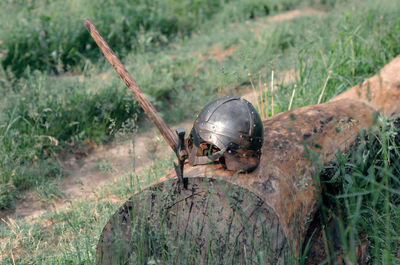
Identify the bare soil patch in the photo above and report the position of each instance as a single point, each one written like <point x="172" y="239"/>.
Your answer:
<point x="294" y="14"/>
<point x="220" y="54"/>
<point x="88" y="173"/>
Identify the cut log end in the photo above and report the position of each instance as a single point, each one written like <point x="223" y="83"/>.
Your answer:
<point x="209" y="222"/>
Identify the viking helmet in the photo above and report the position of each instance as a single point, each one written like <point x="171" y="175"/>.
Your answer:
<point x="229" y="130"/>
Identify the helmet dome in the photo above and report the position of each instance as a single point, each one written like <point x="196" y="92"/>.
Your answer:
<point x="228" y="128"/>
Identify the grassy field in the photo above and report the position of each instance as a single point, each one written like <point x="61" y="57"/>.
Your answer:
<point x="34" y="33"/>
<point x="45" y="110"/>
<point x="58" y="94"/>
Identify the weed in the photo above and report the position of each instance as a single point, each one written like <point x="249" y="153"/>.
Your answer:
<point x="104" y="166"/>
<point x="46" y="192"/>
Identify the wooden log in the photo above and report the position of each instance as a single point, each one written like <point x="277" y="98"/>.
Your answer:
<point x="260" y="217"/>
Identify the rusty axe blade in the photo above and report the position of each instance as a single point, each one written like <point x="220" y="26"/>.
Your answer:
<point x="148" y="108"/>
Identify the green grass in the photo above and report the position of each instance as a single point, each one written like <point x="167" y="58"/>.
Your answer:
<point x="43" y="115"/>
<point x="42" y="119"/>
<point x="361" y="193"/>
<point x="34" y="33"/>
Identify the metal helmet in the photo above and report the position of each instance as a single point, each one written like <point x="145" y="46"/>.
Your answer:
<point x="228" y="129"/>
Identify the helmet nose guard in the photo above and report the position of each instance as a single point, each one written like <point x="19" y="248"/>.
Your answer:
<point x="233" y="126"/>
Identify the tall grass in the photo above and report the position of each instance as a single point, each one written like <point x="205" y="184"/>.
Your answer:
<point x="42" y="115"/>
<point x="48" y="35"/>
<point x="361" y="194"/>
<point x="43" y="118"/>
<point x="348" y="47"/>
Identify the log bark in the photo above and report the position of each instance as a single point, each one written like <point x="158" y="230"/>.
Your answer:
<point x="260" y="217"/>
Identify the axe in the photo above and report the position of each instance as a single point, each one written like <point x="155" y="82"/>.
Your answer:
<point x="176" y="143"/>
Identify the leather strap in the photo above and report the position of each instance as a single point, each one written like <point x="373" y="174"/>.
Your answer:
<point x="202" y="160"/>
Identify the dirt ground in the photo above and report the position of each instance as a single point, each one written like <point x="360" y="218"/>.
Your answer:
<point x="85" y="175"/>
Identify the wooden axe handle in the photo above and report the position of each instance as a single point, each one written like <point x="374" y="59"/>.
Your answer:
<point x="148" y="108"/>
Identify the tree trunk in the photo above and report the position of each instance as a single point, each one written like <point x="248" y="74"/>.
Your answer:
<point x="261" y="217"/>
